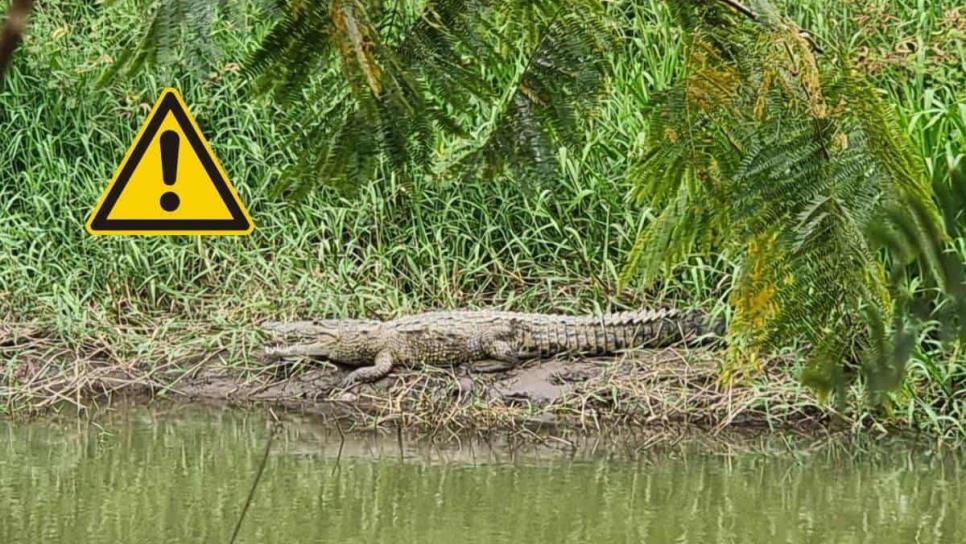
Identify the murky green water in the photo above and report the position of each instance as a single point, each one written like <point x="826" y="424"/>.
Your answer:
<point x="182" y="476"/>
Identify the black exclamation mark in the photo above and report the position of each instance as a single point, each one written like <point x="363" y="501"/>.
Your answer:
<point x="169" y="168"/>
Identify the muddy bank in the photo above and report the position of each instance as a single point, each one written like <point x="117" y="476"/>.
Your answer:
<point x="654" y="390"/>
<point x="657" y="389"/>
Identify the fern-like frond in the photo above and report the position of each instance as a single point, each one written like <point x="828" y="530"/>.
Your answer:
<point x="563" y="73"/>
<point x="792" y="162"/>
<point x="404" y="74"/>
<point x="173" y="30"/>
<point x="430" y="71"/>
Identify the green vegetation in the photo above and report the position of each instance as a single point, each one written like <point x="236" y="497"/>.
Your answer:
<point x="761" y="151"/>
<point x="412" y="239"/>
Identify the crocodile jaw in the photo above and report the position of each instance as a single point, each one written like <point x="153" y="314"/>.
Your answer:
<point x="352" y="342"/>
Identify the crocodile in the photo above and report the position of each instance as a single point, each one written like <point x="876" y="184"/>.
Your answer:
<point x="455" y="337"/>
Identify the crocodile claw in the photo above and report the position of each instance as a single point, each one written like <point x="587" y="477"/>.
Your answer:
<point x="347" y="383"/>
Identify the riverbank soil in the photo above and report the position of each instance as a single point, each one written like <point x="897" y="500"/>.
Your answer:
<point x="666" y="389"/>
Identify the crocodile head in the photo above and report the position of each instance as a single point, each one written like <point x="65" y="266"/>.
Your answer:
<point x="349" y="341"/>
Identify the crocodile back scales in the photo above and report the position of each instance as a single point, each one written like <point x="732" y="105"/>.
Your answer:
<point x="549" y="334"/>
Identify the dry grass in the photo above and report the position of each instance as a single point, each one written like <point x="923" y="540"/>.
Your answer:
<point x="650" y="390"/>
<point x="46" y="372"/>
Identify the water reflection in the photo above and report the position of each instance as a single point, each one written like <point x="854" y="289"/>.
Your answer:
<point x="182" y="475"/>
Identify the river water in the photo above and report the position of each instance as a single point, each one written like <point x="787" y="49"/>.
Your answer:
<point x="182" y="475"/>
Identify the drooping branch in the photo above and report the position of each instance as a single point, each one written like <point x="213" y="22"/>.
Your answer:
<point x="741" y="8"/>
<point x="13" y="30"/>
<point x="748" y="12"/>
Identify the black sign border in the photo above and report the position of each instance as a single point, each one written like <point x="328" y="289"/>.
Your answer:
<point x="170" y="104"/>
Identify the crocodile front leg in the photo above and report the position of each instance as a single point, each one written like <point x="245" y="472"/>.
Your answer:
<point x="383" y="365"/>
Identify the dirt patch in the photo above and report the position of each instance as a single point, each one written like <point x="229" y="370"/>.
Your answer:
<point x="664" y="389"/>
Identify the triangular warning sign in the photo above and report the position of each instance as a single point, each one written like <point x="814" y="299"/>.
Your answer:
<point x="170" y="182"/>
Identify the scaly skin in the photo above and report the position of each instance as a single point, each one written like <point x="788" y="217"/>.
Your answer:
<point x="442" y="338"/>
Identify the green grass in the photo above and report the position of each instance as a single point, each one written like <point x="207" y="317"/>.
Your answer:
<point x="388" y="250"/>
<point x="383" y="251"/>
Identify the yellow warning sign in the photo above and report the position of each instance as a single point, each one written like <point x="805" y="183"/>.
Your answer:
<point x="170" y="182"/>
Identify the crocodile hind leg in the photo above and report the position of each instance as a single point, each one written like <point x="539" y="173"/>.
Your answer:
<point x="501" y="357"/>
<point x="501" y="350"/>
<point x="367" y="374"/>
